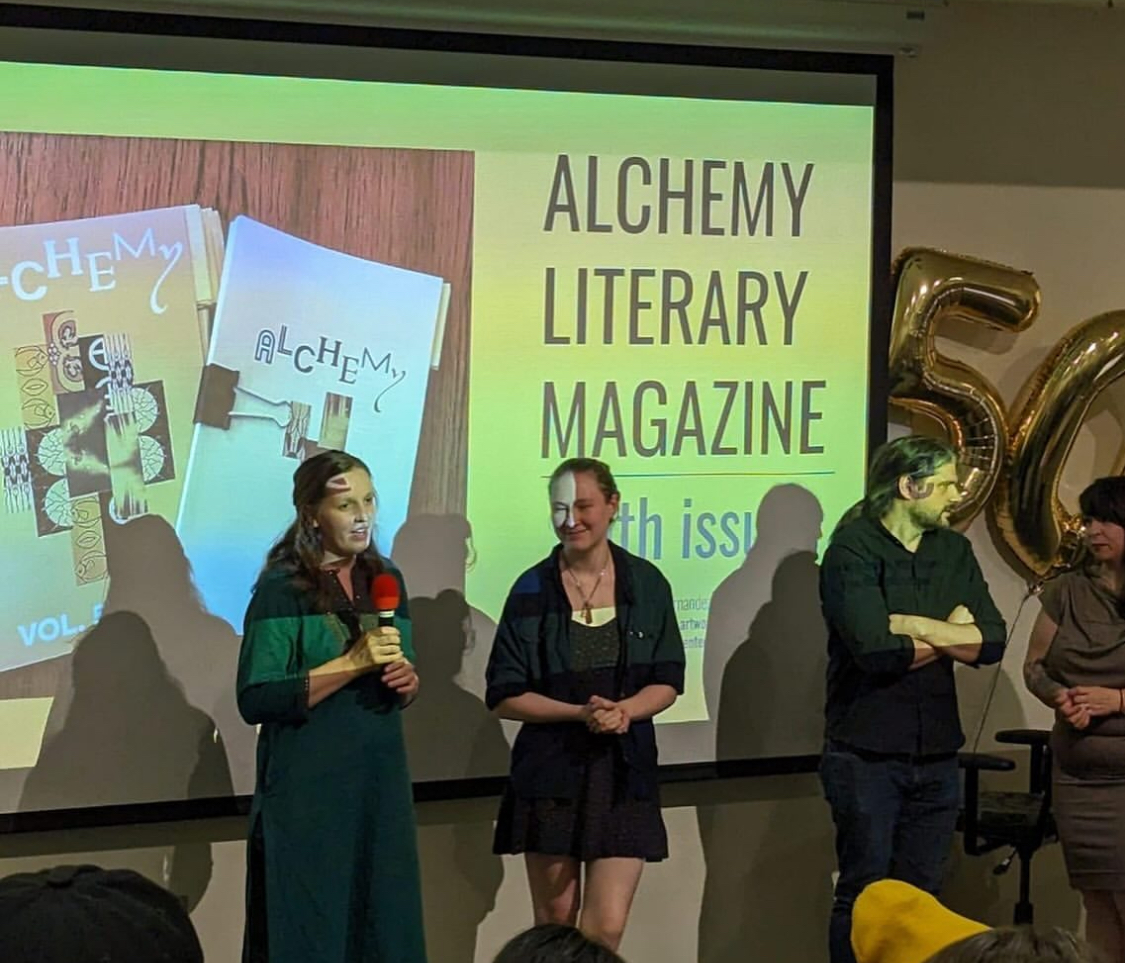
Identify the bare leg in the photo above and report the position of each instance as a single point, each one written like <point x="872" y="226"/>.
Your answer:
<point x="610" y="886"/>
<point x="553" y="880"/>
<point x="1103" y="923"/>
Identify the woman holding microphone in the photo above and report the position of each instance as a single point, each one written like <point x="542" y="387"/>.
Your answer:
<point x="332" y="870"/>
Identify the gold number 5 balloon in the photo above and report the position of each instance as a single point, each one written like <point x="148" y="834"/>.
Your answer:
<point x="933" y="287"/>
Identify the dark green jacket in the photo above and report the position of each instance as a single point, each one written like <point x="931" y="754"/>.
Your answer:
<point x="531" y="653"/>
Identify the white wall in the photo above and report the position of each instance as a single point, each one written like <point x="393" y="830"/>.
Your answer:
<point x="1008" y="147"/>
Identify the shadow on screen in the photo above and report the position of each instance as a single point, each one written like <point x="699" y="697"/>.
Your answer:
<point x="450" y="734"/>
<point x="434" y="552"/>
<point x="130" y="735"/>
<point x="764" y="669"/>
<point x="765" y="652"/>
<point x="771" y="702"/>
<point x="150" y="575"/>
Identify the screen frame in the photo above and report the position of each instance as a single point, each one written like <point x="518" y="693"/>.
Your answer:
<point x="878" y="66"/>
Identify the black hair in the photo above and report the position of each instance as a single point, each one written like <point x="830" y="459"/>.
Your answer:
<point x="555" y="943"/>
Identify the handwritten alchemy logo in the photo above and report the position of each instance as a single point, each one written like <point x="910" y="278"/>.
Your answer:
<point x="307" y="357"/>
<point x="29" y="279"/>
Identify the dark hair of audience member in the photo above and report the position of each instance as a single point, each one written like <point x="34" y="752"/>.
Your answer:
<point x="1018" y="945"/>
<point x="554" y="943"/>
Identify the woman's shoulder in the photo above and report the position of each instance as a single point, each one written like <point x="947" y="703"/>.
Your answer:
<point x="277" y="591"/>
<point x="1059" y="593"/>
<point x="382" y="565"/>
<point x="1069" y="582"/>
<point x="277" y="578"/>
<point x="639" y="569"/>
<point x="530" y="595"/>
<point x="532" y="580"/>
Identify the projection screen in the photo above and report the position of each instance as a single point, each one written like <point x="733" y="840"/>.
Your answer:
<point x="464" y="259"/>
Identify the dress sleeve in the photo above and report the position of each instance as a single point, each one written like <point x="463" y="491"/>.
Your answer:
<point x="990" y="623"/>
<point x="509" y="665"/>
<point x="1055" y="596"/>
<point x="272" y="684"/>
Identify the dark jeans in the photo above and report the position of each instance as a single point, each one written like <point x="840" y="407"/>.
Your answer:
<point x="894" y="819"/>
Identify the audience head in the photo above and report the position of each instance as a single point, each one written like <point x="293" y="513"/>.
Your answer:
<point x="554" y="943"/>
<point x="1017" y="945"/>
<point x="84" y="914"/>
<point x="894" y="922"/>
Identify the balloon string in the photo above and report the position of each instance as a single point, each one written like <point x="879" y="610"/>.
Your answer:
<point x="1033" y="589"/>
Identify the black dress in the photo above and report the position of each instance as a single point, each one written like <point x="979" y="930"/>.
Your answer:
<point x="602" y="821"/>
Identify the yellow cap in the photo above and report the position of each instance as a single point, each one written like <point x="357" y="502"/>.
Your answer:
<point x="894" y="922"/>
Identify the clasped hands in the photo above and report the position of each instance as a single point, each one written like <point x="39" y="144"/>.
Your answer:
<point x="381" y="648"/>
<point x="605" y="717"/>
<point x="1081" y="703"/>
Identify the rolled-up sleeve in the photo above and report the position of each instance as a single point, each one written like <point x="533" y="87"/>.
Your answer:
<point x="668" y="657"/>
<point x="990" y="623"/>
<point x="856" y="612"/>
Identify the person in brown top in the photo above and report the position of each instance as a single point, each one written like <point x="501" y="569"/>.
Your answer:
<point x="1076" y="665"/>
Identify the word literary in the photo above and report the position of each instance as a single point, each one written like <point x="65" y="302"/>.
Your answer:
<point x="669" y="306"/>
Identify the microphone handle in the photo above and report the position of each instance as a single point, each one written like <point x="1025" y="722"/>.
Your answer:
<point x="387" y="618"/>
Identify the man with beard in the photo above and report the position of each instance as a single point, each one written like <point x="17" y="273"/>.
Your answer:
<point x="904" y="600"/>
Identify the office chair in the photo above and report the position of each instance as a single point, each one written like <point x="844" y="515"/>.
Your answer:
<point x="991" y="820"/>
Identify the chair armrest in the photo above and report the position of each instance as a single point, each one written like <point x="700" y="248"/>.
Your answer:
<point x="1024" y="737"/>
<point x="973" y="764"/>
<point x="1040" y="742"/>
<point x="983" y="761"/>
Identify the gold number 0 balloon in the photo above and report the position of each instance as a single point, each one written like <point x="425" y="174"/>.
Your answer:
<point x="1052" y="406"/>
<point x="932" y="287"/>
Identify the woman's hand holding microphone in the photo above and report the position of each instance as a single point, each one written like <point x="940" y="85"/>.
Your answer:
<point x="381" y="649"/>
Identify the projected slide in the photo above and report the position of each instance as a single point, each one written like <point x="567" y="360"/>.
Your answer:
<point x="696" y="322"/>
<point x="464" y="286"/>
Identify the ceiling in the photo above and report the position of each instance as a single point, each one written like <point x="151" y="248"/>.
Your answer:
<point x="845" y="24"/>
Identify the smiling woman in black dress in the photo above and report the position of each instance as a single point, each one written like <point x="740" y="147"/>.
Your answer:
<point x="588" y="650"/>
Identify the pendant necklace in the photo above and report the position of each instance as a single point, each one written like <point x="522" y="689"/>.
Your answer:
<point x="587" y="611"/>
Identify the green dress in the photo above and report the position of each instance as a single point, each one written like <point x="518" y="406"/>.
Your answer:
<point x="332" y="860"/>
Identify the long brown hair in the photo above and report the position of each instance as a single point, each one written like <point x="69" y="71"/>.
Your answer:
<point x="916" y="456"/>
<point x="298" y="552"/>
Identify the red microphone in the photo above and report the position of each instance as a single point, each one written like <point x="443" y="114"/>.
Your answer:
<point x="385" y="597"/>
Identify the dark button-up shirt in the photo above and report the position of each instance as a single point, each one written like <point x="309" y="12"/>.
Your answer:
<point x="875" y="703"/>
